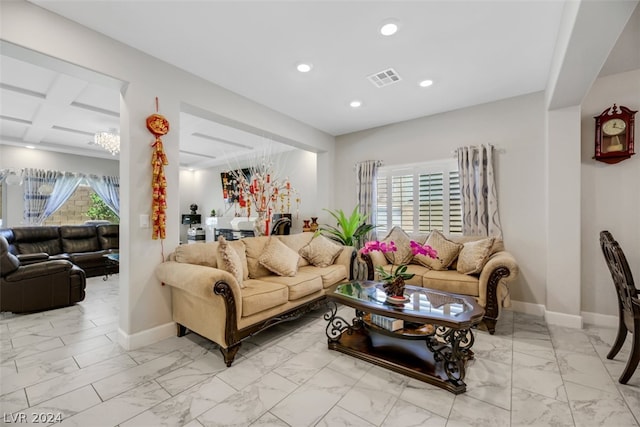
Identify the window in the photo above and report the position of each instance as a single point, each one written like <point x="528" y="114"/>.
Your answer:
<point x="419" y="198"/>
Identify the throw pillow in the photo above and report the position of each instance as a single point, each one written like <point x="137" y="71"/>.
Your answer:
<point x="320" y="251"/>
<point x="403" y="242"/>
<point x="474" y="256"/>
<point x="447" y="251"/>
<point x="229" y="260"/>
<point x="279" y="258"/>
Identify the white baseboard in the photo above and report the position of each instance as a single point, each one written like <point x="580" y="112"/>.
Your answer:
<point x="598" y="319"/>
<point x="146" y="337"/>
<point x="527" y="308"/>
<point x="563" y="319"/>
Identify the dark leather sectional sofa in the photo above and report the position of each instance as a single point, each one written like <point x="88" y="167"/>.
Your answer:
<point x="83" y="245"/>
<point x="46" y="267"/>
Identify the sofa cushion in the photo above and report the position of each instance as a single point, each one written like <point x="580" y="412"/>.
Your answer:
<point x="197" y="253"/>
<point x="241" y="250"/>
<point x="330" y="275"/>
<point x="296" y="242"/>
<point x="259" y="295"/>
<point x="229" y="260"/>
<point x="79" y="238"/>
<point x="447" y="251"/>
<point x="474" y="256"/>
<point x="451" y="281"/>
<point x="320" y="251"/>
<point x="279" y="258"/>
<point x="108" y="236"/>
<point x="33" y="240"/>
<point x="300" y="285"/>
<point x="254" y="249"/>
<point x="402" y="241"/>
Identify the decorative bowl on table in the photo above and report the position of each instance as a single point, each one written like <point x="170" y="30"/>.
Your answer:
<point x="398" y="300"/>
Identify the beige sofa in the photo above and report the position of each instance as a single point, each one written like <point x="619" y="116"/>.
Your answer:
<point x="226" y="305"/>
<point x="486" y="271"/>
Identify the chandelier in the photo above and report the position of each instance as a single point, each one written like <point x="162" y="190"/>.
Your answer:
<point x="109" y="140"/>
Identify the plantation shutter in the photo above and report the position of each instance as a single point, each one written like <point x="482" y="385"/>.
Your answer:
<point x="419" y="198"/>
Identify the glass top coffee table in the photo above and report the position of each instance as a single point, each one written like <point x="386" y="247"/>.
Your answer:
<point x="428" y="337"/>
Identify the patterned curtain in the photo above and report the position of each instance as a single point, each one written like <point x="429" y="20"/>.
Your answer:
<point x="45" y="192"/>
<point x="478" y="191"/>
<point x="366" y="173"/>
<point x="37" y="186"/>
<point x="108" y="188"/>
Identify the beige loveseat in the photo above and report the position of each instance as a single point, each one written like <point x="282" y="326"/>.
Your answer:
<point x="223" y="291"/>
<point x="476" y="266"/>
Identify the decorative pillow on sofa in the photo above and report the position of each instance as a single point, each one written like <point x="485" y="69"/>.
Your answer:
<point x="229" y="260"/>
<point x="474" y="256"/>
<point x="320" y="251"/>
<point x="403" y="242"/>
<point x="447" y="251"/>
<point x="279" y="258"/>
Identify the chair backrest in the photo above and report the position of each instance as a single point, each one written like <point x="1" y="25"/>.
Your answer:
<point x="622" y="279"/>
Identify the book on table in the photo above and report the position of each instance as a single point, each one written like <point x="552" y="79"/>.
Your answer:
<point x="388" y="323"/>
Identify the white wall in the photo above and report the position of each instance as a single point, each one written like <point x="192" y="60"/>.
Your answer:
<point x="610" y="194"/>
<point x="145" y="312"/>
<point x="516" y="127"/>
<point x="19" y="158"/>
<point x="301" y="168"/>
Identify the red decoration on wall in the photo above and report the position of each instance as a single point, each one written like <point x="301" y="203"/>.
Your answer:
<point x="158" y="126"/>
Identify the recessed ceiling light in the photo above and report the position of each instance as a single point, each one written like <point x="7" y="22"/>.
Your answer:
<point x="355" y="103"/>
<point x="426" y="83"/>
<point x="304" y="67"/>
<point x="389" y="27"/>
<point x="30" y="147"/>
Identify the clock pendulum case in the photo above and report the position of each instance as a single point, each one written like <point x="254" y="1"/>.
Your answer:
<point x="615" y="129"/>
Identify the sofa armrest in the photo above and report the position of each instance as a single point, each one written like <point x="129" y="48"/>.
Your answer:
<point x="500" y="269"/>
<point x="346" y="258"/>
<point x="33" y="258"/>
<point x="200" y="281"/>
<point x="40" y="269"/>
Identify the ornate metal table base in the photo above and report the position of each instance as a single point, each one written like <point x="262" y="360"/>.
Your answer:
<point x="438" y="357"/>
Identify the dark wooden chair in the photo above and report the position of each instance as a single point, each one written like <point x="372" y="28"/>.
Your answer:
<point x="628" y="303"/>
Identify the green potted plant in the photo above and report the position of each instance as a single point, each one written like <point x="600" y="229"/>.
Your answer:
<point x="349" y="230"/>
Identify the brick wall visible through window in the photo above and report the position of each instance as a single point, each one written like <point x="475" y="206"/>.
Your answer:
<point x="74" y="211"/>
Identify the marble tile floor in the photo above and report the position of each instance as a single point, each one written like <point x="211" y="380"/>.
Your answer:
<point x="65" y="366"/>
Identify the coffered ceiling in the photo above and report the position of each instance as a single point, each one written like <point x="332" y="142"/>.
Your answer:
<point x="474" y="51"/>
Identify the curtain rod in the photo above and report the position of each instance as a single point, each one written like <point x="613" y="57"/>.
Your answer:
<point x="378" y="163"/>
<point x="454" y="153"/>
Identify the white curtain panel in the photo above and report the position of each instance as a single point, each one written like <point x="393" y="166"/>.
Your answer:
<point x="480" y="215"/>
<point x="65" y="186"/>
<point x="366" y="173"/>
<point x="108" y="188"/>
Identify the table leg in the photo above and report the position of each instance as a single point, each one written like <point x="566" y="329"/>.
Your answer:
<point x="452" y="347"/>
<point x="337" y="325"/>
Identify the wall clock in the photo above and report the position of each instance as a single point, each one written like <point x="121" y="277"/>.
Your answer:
<point x="615" y="129"/>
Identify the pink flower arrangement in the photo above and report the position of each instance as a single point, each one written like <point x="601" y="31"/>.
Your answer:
<point x="384" y="247"/>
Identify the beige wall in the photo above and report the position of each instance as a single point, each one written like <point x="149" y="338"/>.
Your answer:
<point x="516" y="127"/>
<point x="610" y="195"/>
<point x="145" y="314"/>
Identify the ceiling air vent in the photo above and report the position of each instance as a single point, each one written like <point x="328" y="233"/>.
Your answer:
<point x="384" y="78"/>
